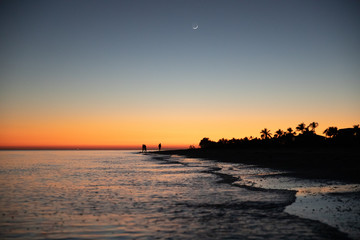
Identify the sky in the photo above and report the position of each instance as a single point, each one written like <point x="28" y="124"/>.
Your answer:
<point x="127" y="73"/>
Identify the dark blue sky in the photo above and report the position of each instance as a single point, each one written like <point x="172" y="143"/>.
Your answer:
<point x="290" y="60"/>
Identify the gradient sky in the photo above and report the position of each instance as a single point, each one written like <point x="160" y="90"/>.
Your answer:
<point x="133" y="72"/>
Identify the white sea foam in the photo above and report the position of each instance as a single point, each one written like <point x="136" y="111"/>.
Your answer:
<point x="332" y="202"/>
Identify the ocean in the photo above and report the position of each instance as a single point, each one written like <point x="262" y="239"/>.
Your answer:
<point x="129" y="195"/>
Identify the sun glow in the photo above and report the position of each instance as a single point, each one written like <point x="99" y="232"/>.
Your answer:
<point x="176" y="129"/>
<point x="164" y="79"/>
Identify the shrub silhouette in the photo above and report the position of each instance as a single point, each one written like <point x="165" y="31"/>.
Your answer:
<point x="331" y="132"/>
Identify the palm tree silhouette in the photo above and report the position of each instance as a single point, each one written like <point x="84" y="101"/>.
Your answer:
<point x="279" y="133"/>
<point x="290" y="131"/>
<point x="313" y="125"/>
<point x="331" y="132"/>
<point x="265" y="133"/>
<point x="301" y="127"/>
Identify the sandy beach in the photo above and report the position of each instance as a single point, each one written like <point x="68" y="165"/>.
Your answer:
<point x="126" y="195"/>
<point x="336" y="163"/>
<point x="325" y="181"/>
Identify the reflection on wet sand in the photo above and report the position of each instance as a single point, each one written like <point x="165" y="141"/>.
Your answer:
<point x="119" y="194"/>
<point x="332" y="202"/>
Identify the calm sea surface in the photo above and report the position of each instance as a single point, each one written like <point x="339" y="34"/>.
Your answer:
<point x="126" y="195"/>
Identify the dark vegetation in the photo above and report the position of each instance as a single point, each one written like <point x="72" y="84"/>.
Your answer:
<point x="301" y="153"/>
<point x="302" y="136"/>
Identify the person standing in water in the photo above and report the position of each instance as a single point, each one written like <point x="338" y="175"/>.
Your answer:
<point x="159" y="147"/>
<point x="143" y="148"/>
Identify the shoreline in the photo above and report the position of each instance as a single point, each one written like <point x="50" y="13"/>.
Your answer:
<point x="339" y="163"/>
<point x="315" y="193"/>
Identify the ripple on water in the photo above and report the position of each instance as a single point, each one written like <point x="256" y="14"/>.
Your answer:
<point x="331" y="202"/>
<point x="119" y="194"/>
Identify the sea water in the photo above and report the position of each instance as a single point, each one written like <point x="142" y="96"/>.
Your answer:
<point x="127" y="195"/>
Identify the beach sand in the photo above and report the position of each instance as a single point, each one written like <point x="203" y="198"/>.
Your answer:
<point x="315" y="163"/>
<point x="326" y="181"/>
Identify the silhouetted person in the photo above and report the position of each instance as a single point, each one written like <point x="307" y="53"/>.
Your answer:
<point x="159" y="146"/>
<point x="143" y="148"/>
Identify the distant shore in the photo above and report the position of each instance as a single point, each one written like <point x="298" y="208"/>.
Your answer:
<point x="339" y="163"/>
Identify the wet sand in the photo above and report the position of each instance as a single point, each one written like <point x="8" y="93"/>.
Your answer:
<point x="125" y="195"/>
<point x="325" y="181"/>
<point x="256" y="211"/>
<point x="316" y="163"/>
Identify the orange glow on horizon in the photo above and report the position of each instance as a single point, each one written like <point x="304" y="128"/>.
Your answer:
<point x="173" y="130"/>
<point x="89" y="147"/>
<point x="123" y="83"/>
<point x="176" y="127"/>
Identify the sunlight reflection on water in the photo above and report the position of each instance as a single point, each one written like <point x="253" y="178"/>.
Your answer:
<point x="123" y="195"/>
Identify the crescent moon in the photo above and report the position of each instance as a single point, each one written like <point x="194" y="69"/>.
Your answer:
<point x="195" y="26"/>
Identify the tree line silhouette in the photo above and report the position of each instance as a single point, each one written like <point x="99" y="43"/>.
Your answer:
<point x="304" y="135"/>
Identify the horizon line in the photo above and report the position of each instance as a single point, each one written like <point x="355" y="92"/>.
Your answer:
<point x="86" y="147"/>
